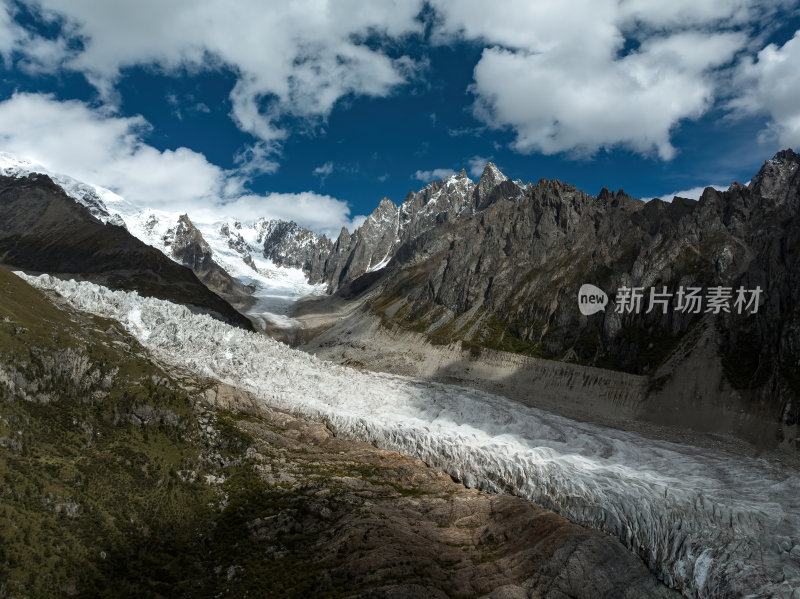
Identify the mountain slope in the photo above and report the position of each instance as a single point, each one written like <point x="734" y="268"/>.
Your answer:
<point x="707" y="521"/>
<point x="45" y="230"/>
<point x="497" y="265"/>
<point x="229" y="256"/>
<point x="121" y="477"/>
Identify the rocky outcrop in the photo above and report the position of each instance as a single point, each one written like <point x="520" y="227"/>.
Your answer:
<point x="43" y="229"/>
<point x="289" y="244"/>
<point x="375" y="243"/>
<point x="779" y="178"/>
<point x="186" y="245"/>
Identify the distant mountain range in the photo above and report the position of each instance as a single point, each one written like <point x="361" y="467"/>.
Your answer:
<point x="44" y="230"/>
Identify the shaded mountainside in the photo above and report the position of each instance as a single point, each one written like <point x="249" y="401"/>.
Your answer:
<point x="43" y="229"/>
<point x="499" y="266"/>
<point x="121" y="478"/>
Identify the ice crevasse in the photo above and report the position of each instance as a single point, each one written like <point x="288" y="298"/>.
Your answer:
<point x="708" y="523"/>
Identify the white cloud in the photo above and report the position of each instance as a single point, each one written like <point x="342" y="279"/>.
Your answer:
<point x="557" y="74"/>
<point x="92" y="146"/>
<point x="323" y="171"/>
<point x="693" y="194"/>
<point x="476" y="165"/>
<point x="38" y="53"/>
<point x="771" y="85"/>
<point x="257" y="159"/>
<point x="297" y="58"/>
<point x="433" y="175"/>
<point x="564" y="77"/>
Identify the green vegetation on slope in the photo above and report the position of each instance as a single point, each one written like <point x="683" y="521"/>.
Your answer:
<point x="115" y="482"/>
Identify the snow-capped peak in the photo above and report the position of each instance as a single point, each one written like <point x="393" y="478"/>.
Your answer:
<point x="235" y="246"/>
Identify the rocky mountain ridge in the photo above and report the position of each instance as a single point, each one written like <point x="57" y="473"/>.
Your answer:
<point x="506" y="277"/>
<point x="372" y="246"/>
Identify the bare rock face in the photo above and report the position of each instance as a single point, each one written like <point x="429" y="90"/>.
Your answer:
<point x="779" y="178"/>
<point x="187" y="245"/>
<point x="288" y="244"/>
<point x="374" y="244"/>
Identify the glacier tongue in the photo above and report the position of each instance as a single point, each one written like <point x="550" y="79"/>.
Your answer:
<point x="708" y="523"/>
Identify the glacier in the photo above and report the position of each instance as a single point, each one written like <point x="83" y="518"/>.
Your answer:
<point x="708" y="523"/>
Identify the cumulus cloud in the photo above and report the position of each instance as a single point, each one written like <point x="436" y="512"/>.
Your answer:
<point x="771" y="86"/>
<point x="92" y="146"/>
<point x="595" y="74"/>
<point x="298" y="58"/>
<point x="563" y="77"/>
<point x="433" y="175"/>
<point x="476" y="165"/>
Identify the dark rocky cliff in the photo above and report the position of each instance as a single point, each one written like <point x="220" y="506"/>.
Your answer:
<point x="187" y="245"/>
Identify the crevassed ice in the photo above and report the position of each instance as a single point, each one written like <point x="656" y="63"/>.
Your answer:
<point x="706" y="522"/>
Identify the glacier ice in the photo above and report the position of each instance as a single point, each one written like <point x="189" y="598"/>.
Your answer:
<point x="708" y="523"/>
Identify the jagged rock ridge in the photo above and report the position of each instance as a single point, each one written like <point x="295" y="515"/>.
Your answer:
<point x="501" y="268"/>
<point x="185" y="243"/>
<point x="375" y="243"/>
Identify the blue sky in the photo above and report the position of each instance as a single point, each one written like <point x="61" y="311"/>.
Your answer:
<point x="315" y="110"/>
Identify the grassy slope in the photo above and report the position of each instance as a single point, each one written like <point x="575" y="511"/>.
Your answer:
<point x="94" y="503"/>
